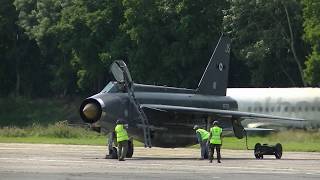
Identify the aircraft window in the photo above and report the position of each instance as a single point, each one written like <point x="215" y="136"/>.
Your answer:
<point x="260" y="109"/>
<point x="306" y="108"/>
<point x="299" y="108"/>
<point x="249" y="109"/>
<point x="267" y="109"/>
<point x="318" y="108"/>
<point x="286" y="108"/>
<point x="272" y="109"/>
<point x="313" y="108"/>
<point x="112" y="87"/>
<point x="255" y="109"/>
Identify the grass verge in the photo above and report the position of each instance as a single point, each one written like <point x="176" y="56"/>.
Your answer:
<point x="291" y="145"/>
<point x="229" y="142"/>
<point x="22" y="111"/>
<point x="61" y="133"/>
<point x="51" y="140"/>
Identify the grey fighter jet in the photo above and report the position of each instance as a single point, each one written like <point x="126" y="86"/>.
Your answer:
<point x="164" y="116"/>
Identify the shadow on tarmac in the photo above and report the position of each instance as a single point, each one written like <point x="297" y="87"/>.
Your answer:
<point x="197" y="159"/>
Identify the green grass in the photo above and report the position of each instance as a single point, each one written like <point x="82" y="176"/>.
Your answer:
<point x="22" y="112"/>
<point x="57" y="133"/>
<point x="229" y="142"/>
<point x="60" y="129"/>
<point x="98" y="141"/>
<point x="297" y="140"/>
<point x="291" y="145"/>
<point x="62" y="133"/>
<point x="27" y="120"/>
<point x="51" y="140"/>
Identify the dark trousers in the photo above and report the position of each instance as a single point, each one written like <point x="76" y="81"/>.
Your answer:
<point x="122" y="149"/>
<point x="217" y="147"/>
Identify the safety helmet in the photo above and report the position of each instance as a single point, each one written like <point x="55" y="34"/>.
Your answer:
<point x="215" y="123"/>
<point x="120" y="121"/>
<point x="195" y="127"/>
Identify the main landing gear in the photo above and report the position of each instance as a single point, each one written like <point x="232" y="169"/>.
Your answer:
<point x="113" y="151"/>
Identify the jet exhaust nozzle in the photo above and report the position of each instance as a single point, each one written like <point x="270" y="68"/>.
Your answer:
<point x="90" y="110"/>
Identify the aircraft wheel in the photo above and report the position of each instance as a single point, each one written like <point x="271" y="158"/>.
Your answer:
<point x="278" y="151"/>
<point x="130" y="149"/>
<point x="257" y="151"/>
<point x="113" y="153"/>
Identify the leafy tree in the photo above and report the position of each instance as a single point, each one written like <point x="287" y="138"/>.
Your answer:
<point x="77" y="39"/>
<point x="267" y="37"/>
<point x="91" y="33"/>
<point x="40" y="20"/>
<point x="171" y="40"/>
<point x="20" y="66"/>
<point x="8" y="34"/>
<point x="312" y="35"/>
<point x="64" y="47"/>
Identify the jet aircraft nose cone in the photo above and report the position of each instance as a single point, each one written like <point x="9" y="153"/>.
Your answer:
<point x="90" y="111"/>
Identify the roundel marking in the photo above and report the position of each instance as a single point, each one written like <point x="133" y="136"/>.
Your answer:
<point x="220" y="66"/>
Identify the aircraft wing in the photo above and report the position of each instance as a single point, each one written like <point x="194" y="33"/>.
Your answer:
<point x="219" y="112"/>
<point x="258" y="129"/>
<point x="252" y="129"/>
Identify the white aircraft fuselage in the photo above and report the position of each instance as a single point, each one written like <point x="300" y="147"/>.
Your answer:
<point x="288" y="102"/>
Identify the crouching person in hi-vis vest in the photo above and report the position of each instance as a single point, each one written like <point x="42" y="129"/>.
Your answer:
<point x="122" y="139"/>
<point x="215" y="141"/>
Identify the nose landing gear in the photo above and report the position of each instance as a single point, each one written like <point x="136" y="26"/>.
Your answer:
<point x="113" y="153"/>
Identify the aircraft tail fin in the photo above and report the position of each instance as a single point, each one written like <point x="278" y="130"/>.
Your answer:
<point x="214" y="80"/>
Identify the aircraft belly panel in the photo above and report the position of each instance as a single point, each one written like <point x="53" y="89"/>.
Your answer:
<point x="176" y="129"/>
<point x="177" y="137"/>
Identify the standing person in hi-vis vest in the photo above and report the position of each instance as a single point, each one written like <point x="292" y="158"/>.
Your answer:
<point x="202" y="136"/>
<point x="122" y="139"/>
<point x="215" y="141"/>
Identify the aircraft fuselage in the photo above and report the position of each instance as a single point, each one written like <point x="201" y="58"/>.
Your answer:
<point x="168" y="129"/>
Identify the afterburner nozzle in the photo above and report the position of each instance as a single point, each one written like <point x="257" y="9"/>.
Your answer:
<point x="90" y="111"/>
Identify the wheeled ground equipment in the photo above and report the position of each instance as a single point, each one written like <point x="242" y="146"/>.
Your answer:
<point x="265" y="149"/>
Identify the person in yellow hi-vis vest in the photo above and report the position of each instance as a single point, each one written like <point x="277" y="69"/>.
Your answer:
<point x="202" y="136"/>
<point x="215" y="141"/>
<point x="122" y="139"/>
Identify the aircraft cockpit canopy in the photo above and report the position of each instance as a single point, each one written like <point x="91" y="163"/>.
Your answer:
<point x="113" y="87"/>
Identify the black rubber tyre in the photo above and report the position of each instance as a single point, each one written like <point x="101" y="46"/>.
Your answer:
<point x="130" y="149"/>
<point x="278" y="151"/>
<point x="113" y="153"/>
<point x="257" y="149"/>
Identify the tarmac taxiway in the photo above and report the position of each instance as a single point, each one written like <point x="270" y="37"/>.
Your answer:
<point x="71" y="162"/>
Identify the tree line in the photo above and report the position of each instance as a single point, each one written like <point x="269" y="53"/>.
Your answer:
<point x="65" y="47"/>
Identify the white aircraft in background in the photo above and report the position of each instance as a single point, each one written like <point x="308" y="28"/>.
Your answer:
<point x="287" y="102"/>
